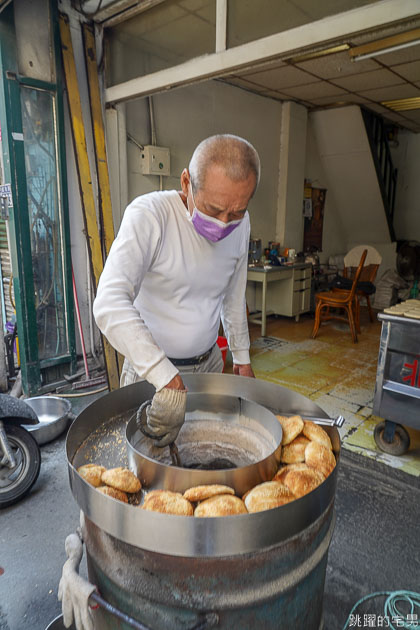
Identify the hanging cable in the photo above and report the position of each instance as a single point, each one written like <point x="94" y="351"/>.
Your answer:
<point x="89" y="13"/>
<point x="134" y="141"/>
<point x="79" y="323"/>
<point x="153" y="133"/>
<point x="89" y="295"/>
<point x="10" y="292"/>
<point x="152" y="121"/>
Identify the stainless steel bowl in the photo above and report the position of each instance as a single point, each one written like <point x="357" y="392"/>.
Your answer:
<point x="225" y="440"/>
<point x="53" y="415"/>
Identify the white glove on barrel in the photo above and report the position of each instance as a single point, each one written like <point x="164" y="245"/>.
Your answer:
<point x="73" y="590"/>
<point x="165" y="416"/>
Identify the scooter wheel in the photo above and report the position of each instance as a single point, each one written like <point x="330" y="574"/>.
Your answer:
<point x="16" y="482"/>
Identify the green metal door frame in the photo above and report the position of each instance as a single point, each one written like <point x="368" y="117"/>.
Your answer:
<point x="14" y="172"/>
<point x="19" y="221"/>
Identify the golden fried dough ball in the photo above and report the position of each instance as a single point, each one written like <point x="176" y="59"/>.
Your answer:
<point x="294" y="452"/>
<point x="220" y="505"/>
<point x="167" y="502"/>
<point x="315" y="433"/>
<point x="114" y="493"/>
<point x="201" y="493"/>
<point x="91" y="473"/>
<point x="121" y="479"/>
<point x="282" y="472"/>
<point x="291" y="428"/>
<point x="267" y="495"/>
<point x="320" y="458"/>
<point x="301" y="482"/>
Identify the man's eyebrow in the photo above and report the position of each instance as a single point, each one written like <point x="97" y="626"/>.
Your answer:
<point x="210" y="206"/>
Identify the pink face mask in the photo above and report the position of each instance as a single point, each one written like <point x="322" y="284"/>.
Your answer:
<point x="212" y="229"/>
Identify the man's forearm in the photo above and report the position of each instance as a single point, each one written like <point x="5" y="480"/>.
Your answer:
<point x="176" y="383"/>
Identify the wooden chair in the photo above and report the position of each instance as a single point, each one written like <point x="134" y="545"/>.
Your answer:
<point x="369" y="271"/>
<point x="347" y="300"/>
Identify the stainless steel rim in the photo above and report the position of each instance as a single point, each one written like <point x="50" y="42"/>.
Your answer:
<point x="238" y="419"/>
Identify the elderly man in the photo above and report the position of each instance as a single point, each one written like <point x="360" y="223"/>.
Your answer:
<point x="178" y="266"/>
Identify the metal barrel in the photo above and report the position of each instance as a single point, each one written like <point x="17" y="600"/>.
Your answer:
<point x="278" y="588"/>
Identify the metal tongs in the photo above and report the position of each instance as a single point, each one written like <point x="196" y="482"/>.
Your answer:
<point x="326" y="422"/>
<point x="141" y="420"/>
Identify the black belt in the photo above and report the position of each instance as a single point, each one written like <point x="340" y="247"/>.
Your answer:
<point x="193" y="360"/>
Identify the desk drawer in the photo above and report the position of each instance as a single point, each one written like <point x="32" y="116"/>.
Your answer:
<point x="301" y="301"/>
<point x="302" y="273"/>
<point x="297" y="302"/>
<point x="302" y="283"/>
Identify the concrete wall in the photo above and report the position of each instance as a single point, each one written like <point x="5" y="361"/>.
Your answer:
<point x="347" y="161"/>
<point x="406" y="158"/>
<point x="289" y="227"/>
<point x="186" y="116"/>
<point x="339" y="156"/>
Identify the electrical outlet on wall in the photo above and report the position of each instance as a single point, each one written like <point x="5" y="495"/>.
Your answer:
<point x="155" y="160"/>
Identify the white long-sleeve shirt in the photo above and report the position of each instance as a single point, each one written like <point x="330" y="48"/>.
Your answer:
<point x="164" y="288"/>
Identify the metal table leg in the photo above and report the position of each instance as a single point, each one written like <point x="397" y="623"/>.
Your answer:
<point x="264" y="307"/>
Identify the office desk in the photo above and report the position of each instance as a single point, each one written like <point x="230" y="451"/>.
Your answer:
<point x="284" y="290"/>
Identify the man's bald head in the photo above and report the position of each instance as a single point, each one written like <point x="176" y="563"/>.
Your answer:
<point x="236" y="156"/>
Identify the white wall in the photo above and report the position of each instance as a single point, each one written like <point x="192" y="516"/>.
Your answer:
<point x="349" y="218"/>
<point x="347" y="170"/>
<point x="186" y="116"/>
<point x="333" y="235"/>
<point x="406" y="158"/>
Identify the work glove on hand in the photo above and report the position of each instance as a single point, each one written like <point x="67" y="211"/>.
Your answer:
<point x="73" y="590"/>
<point x="165" y="416"/>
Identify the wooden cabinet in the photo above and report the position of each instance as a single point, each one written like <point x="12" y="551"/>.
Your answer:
<point x="282" y="290"/>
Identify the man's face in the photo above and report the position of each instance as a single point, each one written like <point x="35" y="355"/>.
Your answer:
<point x="220" y="197"/>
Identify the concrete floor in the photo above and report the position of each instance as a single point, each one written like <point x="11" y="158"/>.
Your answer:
<point x="376" y="541"/>
<point x="337" y="374"/>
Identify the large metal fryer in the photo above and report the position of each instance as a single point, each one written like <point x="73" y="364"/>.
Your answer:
<point x="97" y="435"/>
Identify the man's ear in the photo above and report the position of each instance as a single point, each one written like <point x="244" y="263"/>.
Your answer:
<point x="185" y="181"/>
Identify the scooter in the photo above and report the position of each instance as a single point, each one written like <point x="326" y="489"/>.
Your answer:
<point x="20" y="457"/>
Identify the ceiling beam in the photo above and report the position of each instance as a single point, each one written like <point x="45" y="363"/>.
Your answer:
<point x="221" y="25"/>
<point x="280" y="45"/>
